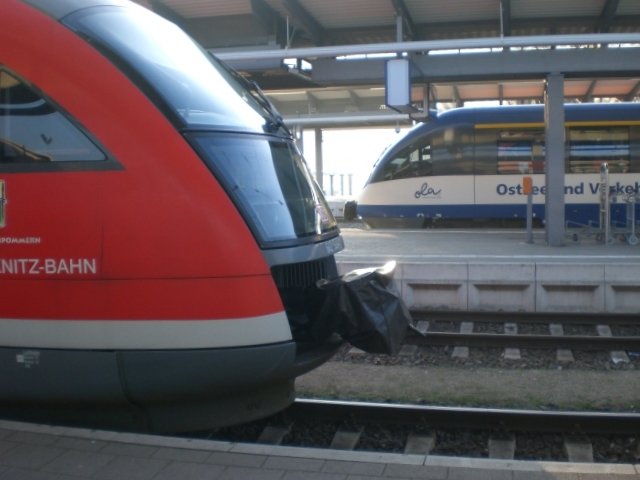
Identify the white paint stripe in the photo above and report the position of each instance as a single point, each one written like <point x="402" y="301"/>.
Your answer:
<point x="144" y="334"/>
<point x="445" y="256"/>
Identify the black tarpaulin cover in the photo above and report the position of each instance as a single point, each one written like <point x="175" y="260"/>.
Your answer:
<point x="363" y="307"/>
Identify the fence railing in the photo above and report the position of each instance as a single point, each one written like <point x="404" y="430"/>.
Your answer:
<point x="337" y="184"/>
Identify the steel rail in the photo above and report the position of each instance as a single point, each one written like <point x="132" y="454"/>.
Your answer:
<point x="567" y="422"/>
<point x="530" y="317"/>
<point x="579" y="342"/>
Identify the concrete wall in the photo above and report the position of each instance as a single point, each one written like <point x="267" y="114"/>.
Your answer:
<point x="517" y="287"/>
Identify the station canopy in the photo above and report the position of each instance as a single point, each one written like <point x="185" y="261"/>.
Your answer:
<point x="322" y="62"/>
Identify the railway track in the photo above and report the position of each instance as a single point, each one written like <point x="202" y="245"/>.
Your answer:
<point x="620" y="335"/>
<point x="462" y="432"/>
<point x="471" y="432"/>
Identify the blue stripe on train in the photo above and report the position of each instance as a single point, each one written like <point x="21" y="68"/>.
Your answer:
<point x="574" y="213"/>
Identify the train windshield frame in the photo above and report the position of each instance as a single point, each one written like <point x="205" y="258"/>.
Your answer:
<point x="225" y="118"/>
<point x="192" y="88"/>
<point x="270" y="183"/>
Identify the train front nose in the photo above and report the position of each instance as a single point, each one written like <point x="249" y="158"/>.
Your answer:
<point x="296" y="283"/>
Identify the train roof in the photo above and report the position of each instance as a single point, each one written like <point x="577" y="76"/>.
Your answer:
<point x="515" y="114"/>
<point x="60" y="8"/>
<point x="535" y="113"/>
<point x="523" y="114"/>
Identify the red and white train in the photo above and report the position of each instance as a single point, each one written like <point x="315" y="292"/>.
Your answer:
<point x="158" y="227"/>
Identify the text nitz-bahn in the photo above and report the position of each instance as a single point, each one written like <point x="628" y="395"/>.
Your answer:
<point x="468" y="164"/>
<point x="158" y="227"/>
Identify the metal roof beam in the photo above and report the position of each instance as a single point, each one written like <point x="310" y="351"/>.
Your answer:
<point x="506" y="65"/>
<point x="307" y="21"/>
<point x="433" y="94"/>
<point x="402" y="11"/>
<point x="573" y="63"/>
<point x="355" y="100"/>
<point x="348" y="119"/>
<point x="428" y="45"/>
<point x="456" y="96"/>
<point x="276" y="103"/>
<point x="312" y="102"/>
<point x="304" y="106"/>
<point x="635" y="91"/>
<point x="588" y="96"/>
<point x="505" y="17"/>
<point x="270" y="19"/>
<point x="608" y="14"/>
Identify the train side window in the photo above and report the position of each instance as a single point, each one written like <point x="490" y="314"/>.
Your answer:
<point x="590" y="147"/>
<point x="33" y="131"/>
<point x="391" y="168"/>
<point x="520" y="152"/>
<point x="485" y="151"/>
<point x="452" y="150"/>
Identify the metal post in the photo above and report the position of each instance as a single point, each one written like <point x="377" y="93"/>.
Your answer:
<point x="529" y="218"/>
<point x="319" y="162"/>
<point x="605" y="221"/>
<point x="527" y="187"/>
<point x="554" y="171"/>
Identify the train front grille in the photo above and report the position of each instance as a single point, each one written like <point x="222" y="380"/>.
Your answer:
<point x="296" y="284"/>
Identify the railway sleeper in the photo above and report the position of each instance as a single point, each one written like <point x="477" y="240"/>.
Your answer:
<point x="420" y="444"/>
<point x="346" y="439"/>
<point x="578" y="449"/>
<point x="502" y="448"/>
<point x="617" y="356"/>
<point x="274" y="434"/>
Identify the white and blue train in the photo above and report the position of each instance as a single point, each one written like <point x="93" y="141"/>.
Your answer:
<point x="467" y="165"/>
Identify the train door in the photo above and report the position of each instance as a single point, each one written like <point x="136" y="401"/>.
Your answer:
<point x="50" y="202"/>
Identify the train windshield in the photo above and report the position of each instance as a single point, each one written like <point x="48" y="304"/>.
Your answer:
<point x="270" y="183"/>
<point x="191" y="86"/>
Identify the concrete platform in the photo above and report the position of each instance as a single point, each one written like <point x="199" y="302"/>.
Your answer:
<point x="497" y="270"/>
<point x="29" y="451"/>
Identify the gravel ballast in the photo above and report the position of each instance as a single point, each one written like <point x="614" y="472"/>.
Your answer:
<point x="613" y="390"/>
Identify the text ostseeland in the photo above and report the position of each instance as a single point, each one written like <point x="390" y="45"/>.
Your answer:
<point x="582" y="188"/>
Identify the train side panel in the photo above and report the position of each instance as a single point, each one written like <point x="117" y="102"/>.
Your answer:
<point x="469" y="165"/>
<point x="134" y="294"/>
<point x="157" y="216"/>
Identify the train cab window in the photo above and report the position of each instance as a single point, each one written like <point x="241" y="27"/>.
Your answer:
<point x="413" y="161"/>
<point x="443" y="151"/>
<point x="32" y="130"/>
<point x="590" y="147"/>
<point x="520" y="152"/>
